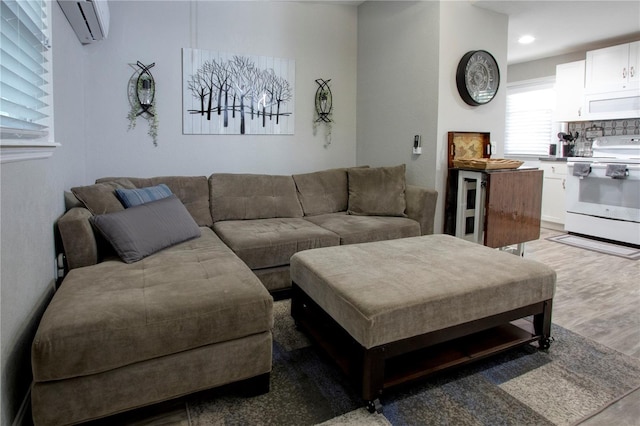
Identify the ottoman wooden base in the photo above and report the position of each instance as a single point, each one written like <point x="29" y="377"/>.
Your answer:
<point x="384" y="366"/>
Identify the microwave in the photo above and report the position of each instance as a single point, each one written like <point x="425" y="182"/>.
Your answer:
<point x="613" y="105"/>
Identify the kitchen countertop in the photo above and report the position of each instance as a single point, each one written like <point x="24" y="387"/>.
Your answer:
<point x="563" y="159"/>
<point x="518" y="169"/>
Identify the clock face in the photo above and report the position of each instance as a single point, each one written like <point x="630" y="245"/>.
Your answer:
<point x="477" y="77"/>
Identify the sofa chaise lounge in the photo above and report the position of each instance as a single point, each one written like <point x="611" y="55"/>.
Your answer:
<point x="169" y="313"/>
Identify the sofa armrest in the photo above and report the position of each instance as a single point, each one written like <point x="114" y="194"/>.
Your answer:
<point x="421" y="207"/>
<point x="78" y="239"/>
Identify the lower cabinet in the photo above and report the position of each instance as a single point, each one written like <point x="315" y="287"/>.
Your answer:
<point x="553" y="191"/>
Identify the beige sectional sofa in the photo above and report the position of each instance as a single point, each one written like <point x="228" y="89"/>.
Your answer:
<point x="194" y="313"/>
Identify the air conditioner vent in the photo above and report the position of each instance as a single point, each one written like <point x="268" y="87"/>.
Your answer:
<point x="88" y="18"/>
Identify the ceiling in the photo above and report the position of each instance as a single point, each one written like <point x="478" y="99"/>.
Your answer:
<point x="562" y="27"/>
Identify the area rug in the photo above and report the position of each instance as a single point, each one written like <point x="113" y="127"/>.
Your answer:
<point x="575" y="378"/>
<point x="597" y="246"/>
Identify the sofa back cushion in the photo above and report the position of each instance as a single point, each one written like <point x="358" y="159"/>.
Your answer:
<point x="323" y="192"/>
<point x="192" y="191"/>
<point x="378" y="191"/>
<point x="247" y="196"/>
<point x="101" y="197"/>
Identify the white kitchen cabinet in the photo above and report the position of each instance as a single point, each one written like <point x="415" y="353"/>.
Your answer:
<point x="570" y="91"/>
<point x="613" y="68"/>
<point x="553" y="191"/>
<point x="634" y="64"/>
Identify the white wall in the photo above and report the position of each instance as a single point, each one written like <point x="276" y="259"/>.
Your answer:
<point x="408" y="53"/>
<point x="464" y="27"/>
<point x="398" y="86"/>
<point x="31" y="200"/>
<point x="541" y="68"/>
<point x="320" y="37"/>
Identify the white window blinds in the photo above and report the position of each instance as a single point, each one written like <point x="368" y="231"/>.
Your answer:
<point x="25" y="73"/>
<point x="529" y="118"/>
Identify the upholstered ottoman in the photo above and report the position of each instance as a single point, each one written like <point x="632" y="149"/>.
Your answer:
<point x="393" y="311"/>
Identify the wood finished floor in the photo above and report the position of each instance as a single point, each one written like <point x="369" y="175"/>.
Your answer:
<point x="597" y="296"/>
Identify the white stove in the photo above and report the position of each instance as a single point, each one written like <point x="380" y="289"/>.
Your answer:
<point x="613" y="149"/>
<point x="603" y="191"/>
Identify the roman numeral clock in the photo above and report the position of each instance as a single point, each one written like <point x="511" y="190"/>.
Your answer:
<point x="478" y="77"/>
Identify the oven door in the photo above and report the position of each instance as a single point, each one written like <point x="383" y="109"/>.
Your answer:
<point x="602" y="196"/>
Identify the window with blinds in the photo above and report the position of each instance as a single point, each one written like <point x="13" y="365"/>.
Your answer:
<point x="529" y="118"/>
<point x="25" y="76"/>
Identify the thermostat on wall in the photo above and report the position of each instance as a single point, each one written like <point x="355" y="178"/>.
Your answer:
<point x="593" y="132"/>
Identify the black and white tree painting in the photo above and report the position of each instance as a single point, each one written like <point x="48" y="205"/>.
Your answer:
<point x="237" y="94"/>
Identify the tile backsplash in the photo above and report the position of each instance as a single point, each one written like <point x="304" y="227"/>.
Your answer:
<point x="629" y="126"/>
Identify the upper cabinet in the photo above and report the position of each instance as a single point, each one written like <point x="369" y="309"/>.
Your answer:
<point x="604" y="87"/>
<point x="570" y="91"/>
<point x="612" y="84"/>
<point x="613" y="68"/>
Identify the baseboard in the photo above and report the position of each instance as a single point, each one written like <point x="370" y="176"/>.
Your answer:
<point x="21" y="417"/>
<point x="552" y="225"/>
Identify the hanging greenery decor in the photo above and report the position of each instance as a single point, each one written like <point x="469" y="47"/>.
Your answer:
<point x="324" y="109"/>
<point x="141" y="93"/>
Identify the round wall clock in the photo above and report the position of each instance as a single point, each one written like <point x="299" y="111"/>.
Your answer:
<point x="478" y="77"/>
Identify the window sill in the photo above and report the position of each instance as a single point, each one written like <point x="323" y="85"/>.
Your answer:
<point x="19" y="152"/>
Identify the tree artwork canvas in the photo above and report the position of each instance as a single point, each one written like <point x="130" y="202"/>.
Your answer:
<point x="225" y="93"/>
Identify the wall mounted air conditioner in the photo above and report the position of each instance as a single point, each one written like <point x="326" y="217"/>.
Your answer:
<point x="88" y="18"/>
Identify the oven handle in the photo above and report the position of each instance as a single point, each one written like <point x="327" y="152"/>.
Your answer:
<point x="604" y="165"/>
<point x="600" y="168"/>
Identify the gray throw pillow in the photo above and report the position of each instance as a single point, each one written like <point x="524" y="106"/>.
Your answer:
<point x="377" y="191"/>
<point x="140" y="231"/>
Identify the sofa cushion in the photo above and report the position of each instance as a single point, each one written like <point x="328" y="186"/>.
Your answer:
<point x="265" y="243"/>
<point x="135" y="197"/>
<point x="139" y="231"/>
<point x="323" y="192"/>
<point x="377" y="191"/>
<point x="193" y="191"/>
<point x="361" y="229"/>
<point x="101" y="197"/>
<point x="245" y="196"/>
<point x="113" y="314"/>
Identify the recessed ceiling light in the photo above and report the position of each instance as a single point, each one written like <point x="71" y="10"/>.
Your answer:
<point x="526" y="39"/>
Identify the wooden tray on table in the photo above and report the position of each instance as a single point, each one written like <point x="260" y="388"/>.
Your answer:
<point x="487" y="163"/>
<point x="468" y="145"/>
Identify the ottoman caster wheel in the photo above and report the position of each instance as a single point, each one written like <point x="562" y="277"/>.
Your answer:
<point x="374" y="406"/>
<point x="545" y="343"/>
